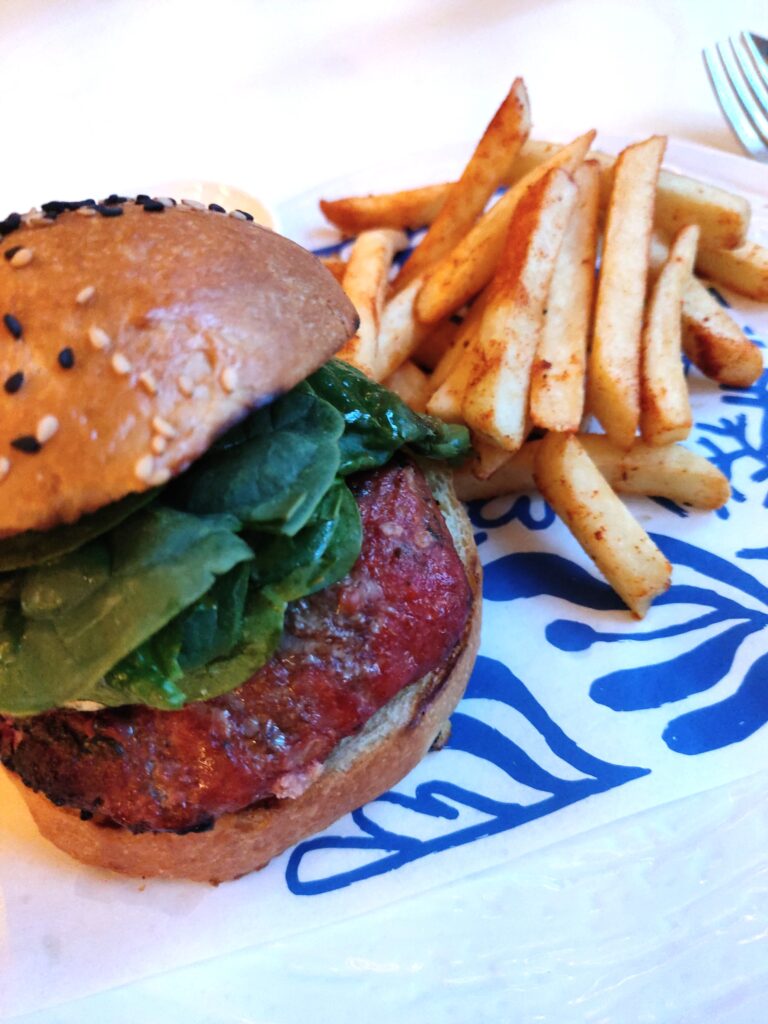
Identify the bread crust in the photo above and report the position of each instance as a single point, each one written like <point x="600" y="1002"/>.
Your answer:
<point x="361" y="768"/>
<point x="178" y="323"/>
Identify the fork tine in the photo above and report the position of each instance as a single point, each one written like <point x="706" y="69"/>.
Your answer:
<point x="754" y="112"/>
<point x="731" y="107"/>
<point x="753" y="76"/>
<point x="759" y="59"/>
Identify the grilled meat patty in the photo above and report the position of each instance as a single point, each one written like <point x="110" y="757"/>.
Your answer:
<point x="345" y="652"/>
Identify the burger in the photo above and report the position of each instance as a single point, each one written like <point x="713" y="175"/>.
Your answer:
<point x="238" y="596"/>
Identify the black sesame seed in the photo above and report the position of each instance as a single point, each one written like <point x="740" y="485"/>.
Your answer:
<point x="14" y="382"/>
<point x="56" y="206"/>
<point x="10" y="253"/>
<point x="109" y="211"/>
<point x="153" y="206"/>
<point x="14" y="327"/>
<point x="114" y="200"/>
<point x="27" y="443"/>
<point x="216" y="208"/>
<point x="66" y="358"/>
<point x="11" y="223"/>
<point x="142" y="198"/>
<point x="248" y="216"/>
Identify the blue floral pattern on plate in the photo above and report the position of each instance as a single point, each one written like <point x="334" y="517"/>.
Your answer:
<point x="704" y="645"/>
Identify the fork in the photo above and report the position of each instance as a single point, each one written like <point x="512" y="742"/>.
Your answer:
<point x="738" y="71"/>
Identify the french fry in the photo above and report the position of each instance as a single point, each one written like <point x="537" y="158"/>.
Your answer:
<point x="712" y="339"/>
<point x="400" y="334"/>
<point x="461" y="343"/>
<point x="487" y="458"/>
<point x="668" y="471"/>
<point x="496" y="402"/>
<point x="447" y="401"/>
<point x="622" y="550"/>
<point x="558" y="377"/>
<point x="412" y="208"/>
<point x="463" y="272"/>
<point x="744" y="270"/>
<point x="336" y="265"/>
<point x="489" y="166"/>
<point x="411" y="384"/>
<point x="715" y="343"/>
<point x="437" y="342"/>
<point x="614" y="362"/>
<point x="665" y="414"/>
<point x="722" y="216"/>
<point x="365" y="283"/>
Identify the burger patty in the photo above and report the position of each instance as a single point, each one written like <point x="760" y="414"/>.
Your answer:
<point x="345" y="652"/>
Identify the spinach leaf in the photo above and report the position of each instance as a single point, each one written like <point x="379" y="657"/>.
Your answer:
<point x="378" y="422"/>
<point x="154" y="673"/>
<point x="33" y="547"/>
<point x="158" y="562"/>
<point x="262" y="630"/>
<point x="317" y="556"/>
<point x="274" y="469"/>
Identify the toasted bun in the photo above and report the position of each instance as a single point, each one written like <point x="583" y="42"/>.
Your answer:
<point x="361" y="768"/>
<point x="201" y="317"/>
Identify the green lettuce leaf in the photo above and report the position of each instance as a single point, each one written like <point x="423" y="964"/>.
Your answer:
<point x="166" y="604"/>
<point x="208" y="629"/>
<point x="378" y="422"/>
<point x="261" y="633"/>
<point x="222" y="639"/>
<point x="273" y="469"/>
<point x="319" y="555"/>
<point x="32" y="548"/>
<point x="148" y="569"/>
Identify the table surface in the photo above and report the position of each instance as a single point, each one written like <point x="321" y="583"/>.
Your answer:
<point x="275" y="97"/>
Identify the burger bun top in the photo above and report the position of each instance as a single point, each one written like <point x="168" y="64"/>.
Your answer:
<point x="129" y="342"/>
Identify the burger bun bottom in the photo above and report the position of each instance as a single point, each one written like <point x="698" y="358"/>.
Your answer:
<point x="361" y="767"/>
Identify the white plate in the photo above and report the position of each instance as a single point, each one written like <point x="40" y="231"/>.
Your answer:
<point x="656" y="917"/>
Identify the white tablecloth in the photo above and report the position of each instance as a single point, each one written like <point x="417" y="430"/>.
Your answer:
<point x="274" y="97"/>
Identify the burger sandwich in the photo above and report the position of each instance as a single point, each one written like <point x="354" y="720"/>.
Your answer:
<point x="238" y="597"/>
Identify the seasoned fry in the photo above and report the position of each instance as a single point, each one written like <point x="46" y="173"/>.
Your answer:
<point x="496" y="402"/>
<point x="744" y="270"/>
<point x="447" y="401"/>
<point x="437" y="342"/>
<point x="715" y="343"/>
<point x="365" y="282"/>
<point x="487" y="459"/>
<point x="469" y="267"/>
<point x="665" y="407"/>
<point x="399" y="334"/>
<point x="611" y="536"/>
<point x="502" y="305"/>
<point x="412" y="208"/>
<point x="411" y="384"/>
<point x="489" y="166"/>
<point x="614" y="363"/>
<point x="461" y="344"/>
<point x="668" y="471"/>
<point x="558" y="378"/>
<point x="336" y="265"/>
<point x="722" y="216"/>
<point x="712" y="339"/>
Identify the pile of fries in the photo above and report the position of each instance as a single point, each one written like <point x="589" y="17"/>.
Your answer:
<point x="568" y="300"/>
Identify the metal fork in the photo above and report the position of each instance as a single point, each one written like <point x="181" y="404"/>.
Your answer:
<point x="738" y="71"/>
